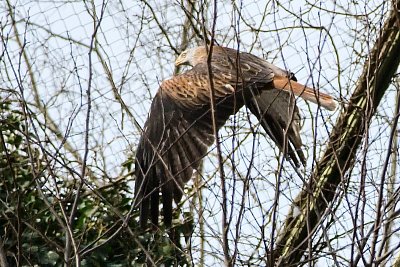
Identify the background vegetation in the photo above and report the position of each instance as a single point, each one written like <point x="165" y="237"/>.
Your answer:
<point x="76" y="82"/>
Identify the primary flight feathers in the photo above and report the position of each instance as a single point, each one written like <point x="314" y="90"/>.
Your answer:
<point x="179" y="131"/>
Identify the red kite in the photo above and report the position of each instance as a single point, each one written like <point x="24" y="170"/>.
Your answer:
<point x="179" y="131"/>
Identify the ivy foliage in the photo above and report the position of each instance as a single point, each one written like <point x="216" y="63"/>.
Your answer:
<point x="36" y="198"/>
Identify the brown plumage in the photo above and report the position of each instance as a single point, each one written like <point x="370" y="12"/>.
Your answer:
<point x="178" y="132"/>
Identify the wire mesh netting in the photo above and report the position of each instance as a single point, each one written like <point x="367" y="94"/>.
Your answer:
<point x="83" y="75"/>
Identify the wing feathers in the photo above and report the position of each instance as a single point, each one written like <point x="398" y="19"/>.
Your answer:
<point x="274" y="111"/>
<point x="172" y="144"/>
<point x="179" y="129"/>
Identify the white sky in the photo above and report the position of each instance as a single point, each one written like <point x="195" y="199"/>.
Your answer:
<point x="324" y="52"/>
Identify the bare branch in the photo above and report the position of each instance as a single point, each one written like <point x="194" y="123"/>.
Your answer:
<point x="343" y="144"/>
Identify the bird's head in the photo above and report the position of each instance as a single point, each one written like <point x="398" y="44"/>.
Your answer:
<point x="192" y="56"/>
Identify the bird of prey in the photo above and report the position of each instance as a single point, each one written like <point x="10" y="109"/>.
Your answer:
<point x="179" y="129"/>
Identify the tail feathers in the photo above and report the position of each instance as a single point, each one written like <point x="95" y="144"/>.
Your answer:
<point x="307" y="93"/>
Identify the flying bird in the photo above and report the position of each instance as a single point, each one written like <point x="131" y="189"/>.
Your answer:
<point x="179" y="129"/>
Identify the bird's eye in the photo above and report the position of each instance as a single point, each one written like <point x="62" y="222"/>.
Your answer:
<point x="292" y="77"/>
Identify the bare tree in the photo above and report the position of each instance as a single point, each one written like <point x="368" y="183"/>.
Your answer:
<point x="76" y="82"/>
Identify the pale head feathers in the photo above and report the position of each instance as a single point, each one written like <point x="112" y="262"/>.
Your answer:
<point x="192" y="56"/>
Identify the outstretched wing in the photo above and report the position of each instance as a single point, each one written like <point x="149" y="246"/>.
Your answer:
<point x="176" y="137"/>
<point x="275" y="109"/>
<point x="279" y="116"/>
<point x="169" y="149"/>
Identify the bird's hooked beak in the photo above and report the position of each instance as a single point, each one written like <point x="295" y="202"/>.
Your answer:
<point x="180" y="60"/>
